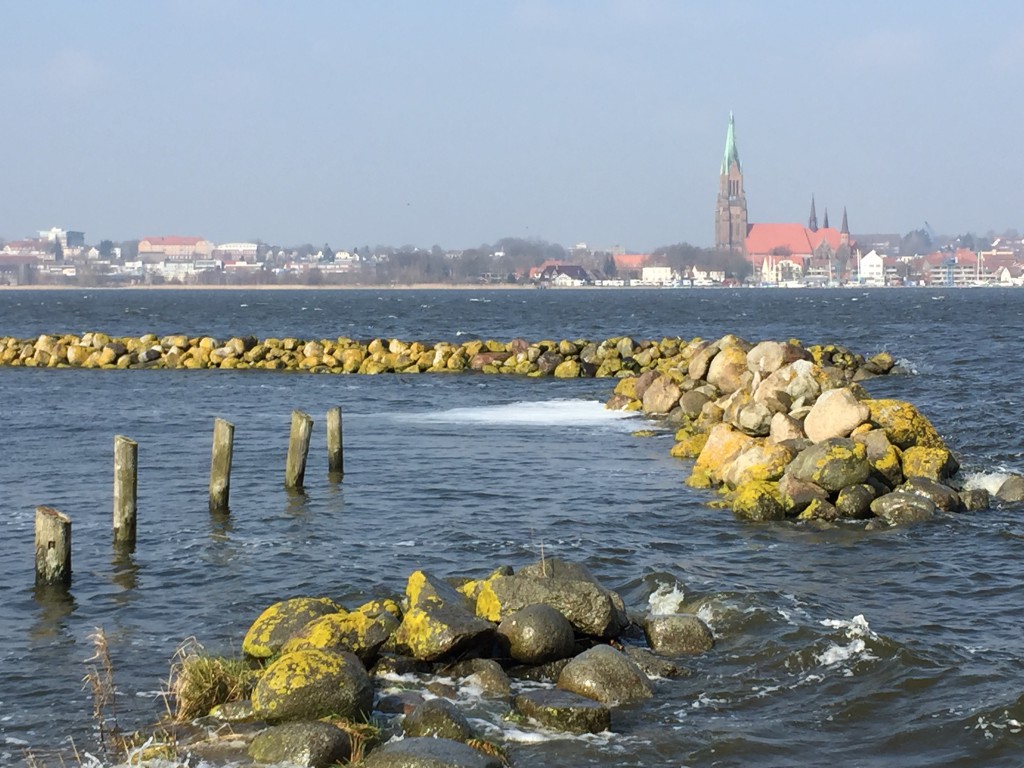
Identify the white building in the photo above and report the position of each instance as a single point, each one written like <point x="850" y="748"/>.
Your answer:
<point x="871" y="269"/>
<point x="658" y="276"/>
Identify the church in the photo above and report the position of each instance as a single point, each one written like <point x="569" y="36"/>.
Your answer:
<point x="779" y="254"/>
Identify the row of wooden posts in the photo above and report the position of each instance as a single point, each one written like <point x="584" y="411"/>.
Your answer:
<point x="53" y="528"/>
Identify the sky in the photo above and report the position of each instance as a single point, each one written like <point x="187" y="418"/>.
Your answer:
<point x="456" y="123"/>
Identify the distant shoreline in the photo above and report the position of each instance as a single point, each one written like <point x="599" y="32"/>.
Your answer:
<point x="369" y="287"/>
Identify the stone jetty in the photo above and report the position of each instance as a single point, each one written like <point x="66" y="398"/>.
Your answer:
<point x="413" y="664"/>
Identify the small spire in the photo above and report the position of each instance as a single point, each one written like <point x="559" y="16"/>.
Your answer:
<point x="812" y="222"/>
<point x="845" y="229"/>
<point x="826" y="219"/>
<point x="731" y="153"/>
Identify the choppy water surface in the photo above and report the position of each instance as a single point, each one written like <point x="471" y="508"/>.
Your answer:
<point x="891" y="648"/>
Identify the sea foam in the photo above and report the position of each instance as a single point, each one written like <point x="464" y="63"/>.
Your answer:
<point x="560" y="412"/>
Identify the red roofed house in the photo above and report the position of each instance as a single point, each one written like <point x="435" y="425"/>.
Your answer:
<point x="778" y="253"/>
<point x="174" y="248"/>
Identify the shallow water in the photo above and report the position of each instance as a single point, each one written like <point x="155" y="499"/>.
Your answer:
<point x="887" y="648"/>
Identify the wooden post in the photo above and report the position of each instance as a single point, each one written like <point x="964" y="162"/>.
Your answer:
<point x="126" y="456"/>
<point x="335" y="450"/>
<point x="298" y="449"/>
<point x="53" y="547"/>
<point x="220" y="465"/>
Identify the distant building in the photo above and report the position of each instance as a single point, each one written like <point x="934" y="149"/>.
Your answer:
<point x="174" y="248"/>
<point x="236" y="251"/>
<point x="778" y="253"/>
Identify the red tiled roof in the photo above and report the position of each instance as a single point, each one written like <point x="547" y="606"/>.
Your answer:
<point x="173" y="240"/>
<point x="764" y="238"/>
<point x="630" y="260"/>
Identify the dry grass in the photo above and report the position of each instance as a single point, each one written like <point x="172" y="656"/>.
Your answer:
<point x="199" y="682"/>
<point x="99" y="679"/>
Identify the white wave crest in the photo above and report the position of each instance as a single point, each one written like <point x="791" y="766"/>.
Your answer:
<point x="666" y="599"/>
<point x="989" y="481"/>
<point x="560" y="412"/>
<point x="857" y="631"/>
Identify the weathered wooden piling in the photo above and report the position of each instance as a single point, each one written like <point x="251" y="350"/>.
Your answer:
<point x="53" y="548"/>
<point x="335" y="449"/>
<point x="298" y="449"/>
<point x="220" y="464"/>
<point x="126" y="456"/>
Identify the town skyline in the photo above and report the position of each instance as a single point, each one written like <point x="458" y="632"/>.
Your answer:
<point x="455" y="124"/>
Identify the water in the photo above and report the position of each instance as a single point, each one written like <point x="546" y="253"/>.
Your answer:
<point x="888" y="648"/>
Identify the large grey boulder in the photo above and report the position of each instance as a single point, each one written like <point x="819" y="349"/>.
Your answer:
<point x="564" y="711"/>
<point x="606" y="675"/>
<point x="427" y="752"/>
<point x="311" y="744"/>
<point x="832" y="464"/>
<point x="942" y="496"/>
<point x="902" y="508"/>
<point x="854" y="501"/>
<point x="1012" y="490"/>
<point x="537" y="634"/>
<point x="678" y="634"/>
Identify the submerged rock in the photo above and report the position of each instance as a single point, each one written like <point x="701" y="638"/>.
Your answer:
<point x="315" y="744"/>
<point x="605" y="675"/>
<point x="564" y="711"/>
<point x="438" y="718"/>
<point x="426" y="752"/>
<point x="678" y="635"/>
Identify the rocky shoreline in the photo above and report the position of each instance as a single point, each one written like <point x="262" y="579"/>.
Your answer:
<point x="779" y="430"/>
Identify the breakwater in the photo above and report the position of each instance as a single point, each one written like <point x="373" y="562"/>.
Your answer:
<point x="613" y="357"/>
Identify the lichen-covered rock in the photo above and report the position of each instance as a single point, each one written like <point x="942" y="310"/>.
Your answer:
<point x="276" y="625"/>
<point x="589" y="607"/>
<point x="537" y="634"/>
<point x="758" y="501"/>
<point x="567" y="369"/>
<point x="357" y="631"/>
<point x="935" y="464"/>
<point x="974" y="499"/>
<point x="315" y="744"/>
<point x="797" y="495"/>
<point x="723" y="445"/>
<point x="426" y="752"/>
<point x="884" y="457"/>
<point x="606" y="675"/>
<point x="761" y="461"/>
<point x="832" y="464"/>
<point x="564" y="711"/>
<point x="728" y="370"/>
<point x="438" y="718"/>
<point x="678" y="635"/>
<point x="854" y="501"/>
<point x="836" y="413"/>
<point x="310" y="684"/>
<point x="903" y="507"/>
<point x="433" y="631"/>
<point x="904" y="425"/>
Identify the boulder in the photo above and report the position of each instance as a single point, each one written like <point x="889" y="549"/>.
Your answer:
<point x="797" y="495"/>
<point x="880" y="364"/>
<point x="605" y="675"/>
<point x="567" y="369"/>
<point x="438" y="718"/>
<point x="701" y="360"/>
<point x="761" y="461"/>
<point x="653" y="665"/>
<point x="854" y="501"/>
<point x="836" y="413"/>
<point x="974" y="499"/>
<point x="276" y="625"/>
<point x="691" y="403"/>
<point x="904" y="425"/>
<point x="433" y="631"/>
<point x="425" y="752"/>
<point x="903" y="507"/>
<point x="1011" y="491"/>
<point x="797" y="380"/>
<point x="678" y="635"/>
<point x="548" y="362"/>
<point x="723" y="445"/>
<point x="935" y="464"/>
<point x="358" y="632"/>
<point x="661" y="396"/>
<point x="758" y="501"/>
<point x="487" y="674"/>
<point x="785" y="427"/>
<point x="308" y="685"/>
<point x="728" y="370"/>
<point x="314" y="743"/>
<point x="564" y="711"/>
<point x="942" y="496"/>
<point x="589" y="607"/>
<point x="832" y="464"/>
<point x="885" y="458"/>
<point x="755" y="419"/>
<point x="536" y="634"/>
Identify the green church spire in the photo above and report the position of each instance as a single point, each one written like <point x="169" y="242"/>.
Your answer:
<point x="731" y="154"/>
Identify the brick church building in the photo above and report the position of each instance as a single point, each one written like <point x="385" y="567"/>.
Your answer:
<point x="785" y="253"/>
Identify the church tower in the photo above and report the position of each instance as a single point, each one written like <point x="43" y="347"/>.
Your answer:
<point x="812" y="221"/>
<point x="731" y="211"/>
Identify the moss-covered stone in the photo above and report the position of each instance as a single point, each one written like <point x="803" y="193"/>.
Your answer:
<point x="276" y="625"/>
<point x="310" y="684"/>
<point x="904" y="425"/>
<point x="758" y="500"/>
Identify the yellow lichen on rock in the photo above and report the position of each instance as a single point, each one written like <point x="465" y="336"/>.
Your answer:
<point x="275" y="626"/>
<point x="904" y="425"/>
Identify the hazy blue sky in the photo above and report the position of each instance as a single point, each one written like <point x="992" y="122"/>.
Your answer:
<point x="457" y="123"/>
